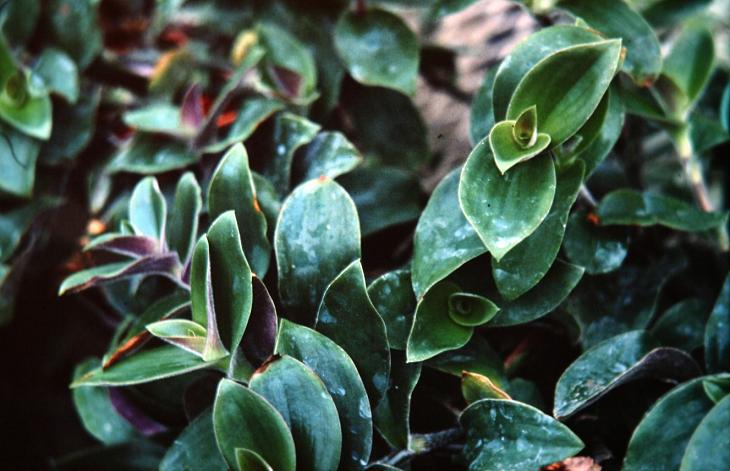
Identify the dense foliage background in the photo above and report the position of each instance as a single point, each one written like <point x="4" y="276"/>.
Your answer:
<point x="576" y="263"/>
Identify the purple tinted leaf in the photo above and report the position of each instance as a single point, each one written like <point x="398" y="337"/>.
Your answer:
<point x="129" y="245"/>
<point x="163" y="265"/>
<point x="191" y="112"/>
<point x="287" y="81"/>
<point x="134" y="414"/>
<point x="260" y="335"/>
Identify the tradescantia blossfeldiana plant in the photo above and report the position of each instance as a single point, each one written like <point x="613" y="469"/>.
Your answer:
<point x="288" y="301"/>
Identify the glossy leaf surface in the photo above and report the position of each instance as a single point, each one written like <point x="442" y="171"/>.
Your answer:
<point x="597" y="249"/>
<point x="392" y="415"/>
<point x="393" y="298"/>
<point x="717" y="336"/>
<point x="347" y="316"/>
<point x="195" y="448"/>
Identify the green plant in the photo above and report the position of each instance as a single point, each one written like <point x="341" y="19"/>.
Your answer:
<point x="286" y="301"/>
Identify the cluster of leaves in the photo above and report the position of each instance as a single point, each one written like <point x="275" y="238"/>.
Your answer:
<point x="280" y="303"/>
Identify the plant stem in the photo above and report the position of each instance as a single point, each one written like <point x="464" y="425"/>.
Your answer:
<point x="420" y="444"/>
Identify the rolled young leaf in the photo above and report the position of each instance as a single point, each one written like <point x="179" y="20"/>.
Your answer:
<point x="505" y="209"/>
<point x="201" y="300"/>
<point x="471" y="310"/>
<point x="188" y="335"/>
<point x="507" y="151"/>
<point x="566" y="87"/>
<point x="503" y="434"/>
<point x="244" y="419"/>
<point x="302" y="399"/>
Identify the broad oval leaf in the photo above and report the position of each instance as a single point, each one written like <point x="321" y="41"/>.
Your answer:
<point x="433" y="330"/>
<point x="347" y="316"/>
<point x="317" y="236"/>
<point x="393" y="298"/>
<point x="18" y="165"/>
<point x="195" y="448"/>
<point x="660" y="439"/>
<point x="614" y="362"/>
<point x="683" y="325"/>
<point x="392" y="415"/>
<point x="302" y="399"/>
<point x="617" y="19"/>
<point x="709" y="435"/>
<point x="566" y="87"/>
<point x="527" y="54"/>
<point x="290" y="133"/>
<point x="329" y="154"/>
<point x="444" y="239"/>
<point x="509" y="435"/>
<point x="527" y="263"/>
<point x="597" y="249"/>
<point x="505" y="209"/>
<point x="631" y="207"/>
<point x="378" y="48"/>
<point x="232" y="188"/>
<point x="339" y="374"/>
<point x="481" y="116"/>
<point x="244" y="419"/>
<point x="150" y="154"/>
<point x="59" y="73"/>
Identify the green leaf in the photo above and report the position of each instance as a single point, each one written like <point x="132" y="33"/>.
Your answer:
<point x="433" y="329"/>
<point x="202" y="302"/>
<point x="633" y="208"/>
<point x="347" y="316"/>
<point x="163" y="118"/>
<point x="182" y="229"/>
<point x="15" y="222"/>
<point x="545" y="297"/>
<point x="476" y="356"/>
<point x="231" y="279"/>
<point x="605" y="133"/>
<point x="188" y="335"/>
<point x="393" y="298"/>
<point x="618" y="20"/>
<point x="284" y="51"/>
<point x="163" y="265"/>
<point x="339" y="375"/>
<point x="614" y="362"/>
<point x="252" y="113"/>
<point x="706" y="437"/>
<point x="527" y="54"/>
<point x="248" y="460"/>
<point x="378" y="48"/>
<point x="329" y="154"/>
<point x="384" y="196"/>
<point x="608" y="305"/>
<point x="598" y="249"/>
<point x="717" y="336"/>
<point x="566" y="87"/>
<point x="18" y="155"/>
<point x="195" y="448"/>
<point x="682" y="325"/>
<point x="505" y="209"/>
<point x="398" y="137"/>
<point x="444" y="239"/>
<point x="689" y="65"/>
<point x="475" y="387"/>
<point x="59" y="73"/>
<point x="290" y="133"/>
<point x="471" y="310"/>
<point x="97" y="412"/>
<point x="150" y="154"/>
<point x="716" y="387"/>
<point x="22" y="105"/>
<point x="706" y="133"/>
<point x="148" y="209"/>
<point x="74" y="28"/>
<point x="73" y="128"/>
<point x="302" y="399"/>
<point x="143" y="367"/>
<point x="481" y="116"/>
<point x="660" y="439"/>
<point x="392" y="415"/>
<point x="317" y="236"/>
<point x="232" y="188"/>
<point x="244" y="419"/>
<point x="527" y="263"/>
<point x="20" y="19"/>
<point x="509" y="435"/>
<point x="507" y="151"/>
